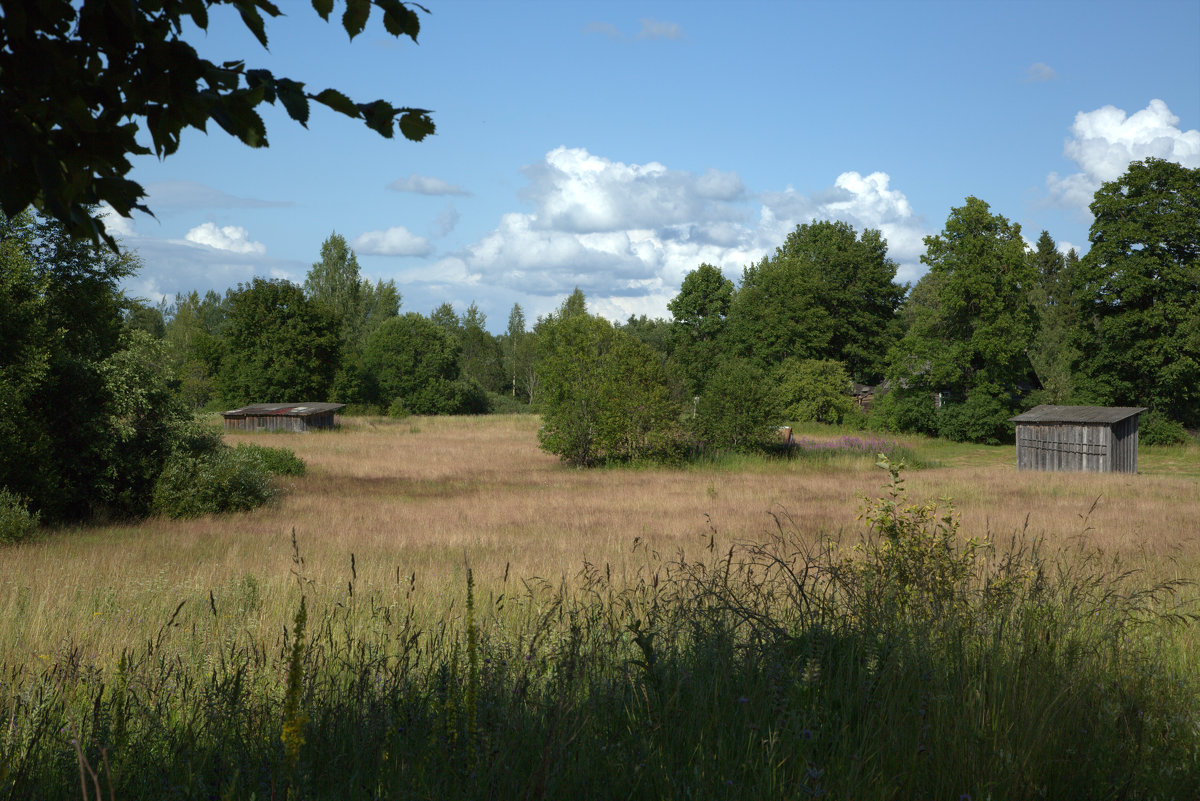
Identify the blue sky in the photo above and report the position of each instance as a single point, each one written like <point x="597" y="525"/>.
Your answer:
<point x="615" y="146"/>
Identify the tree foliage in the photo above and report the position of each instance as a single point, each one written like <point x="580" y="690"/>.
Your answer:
<point x="1138" y="292"/>
<point x="604" y="395"/>
<point x="974" y="329"/>
<point x="826" y="293"/>
<point x="777" y="314"/>
<point x="82" y="79"/>
<point x="481" y="359"/>
<point x="335" y="283"/>
<point x="1050" y="352"/>
<point x="816" y="390"/>
<point x="698" y="313"/>
<point x="277" y="346"/>
<point x="357" y="306"/>
<point x="88" y="409"/>
<point x="739" y="410"/>
<point x="413" y="367"/>
<point x="520" y="348"/>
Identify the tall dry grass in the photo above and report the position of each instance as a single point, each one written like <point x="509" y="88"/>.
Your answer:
<point x="422" y="499"/>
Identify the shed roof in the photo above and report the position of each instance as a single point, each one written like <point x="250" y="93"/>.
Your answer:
<point x="283" y="409"/>
<point x="1077" y="414"/>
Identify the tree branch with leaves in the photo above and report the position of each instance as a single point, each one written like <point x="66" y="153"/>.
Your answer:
<point x="80" y="82"/>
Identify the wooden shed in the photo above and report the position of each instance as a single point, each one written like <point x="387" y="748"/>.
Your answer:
<point x="1101" y="439"/>
<point x="281" y="416"/>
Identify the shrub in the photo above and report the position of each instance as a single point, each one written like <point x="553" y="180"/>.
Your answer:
<point x="904" y="410"/>
<point x="1156" y="428"/>
<point x="980" y="418"/>
<point x="277" y="461"/>
<point x="502" y="403"/>
<point x="398" y="409"/>
<point x="17" y="523"/>
<point x="466" y="396"/>
<point x="739" y="409"/>
<point x="605" y="395"/>
<point x="815" y="390"/>
<point x="222" y="480"/>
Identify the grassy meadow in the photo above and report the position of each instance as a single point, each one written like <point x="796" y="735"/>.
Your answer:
<point x="639" y="632"/>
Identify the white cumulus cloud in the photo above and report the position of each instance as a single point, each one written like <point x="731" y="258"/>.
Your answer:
<point x="577" y="191"/>
<point x="864" y="201"/>
<point x="233" y="238"/>
<point x="627" y="233"/>
<point x="395" y="241"/>
<point x="1104" y="142"/>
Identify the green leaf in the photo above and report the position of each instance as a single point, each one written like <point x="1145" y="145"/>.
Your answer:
<point x="291" y="94"/>
<point x="337" y="101"/>
<point x="198" y="10"/>
<point x="263" y="80"/>
<point x="254" y="22"/>
<point x="415" y="124"/>
<point x="323" y="7"/>
<point x="355" y="18"/>
<point x="378" y="116"/>
<point x="399" y="20"/>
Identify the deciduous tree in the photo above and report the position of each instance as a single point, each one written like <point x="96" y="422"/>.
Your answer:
<point x="82" y="80"/>
<point x="276" y="346"/>
<point x="1138" y="292"/>
<point x="412" y="364"/>
<point x="698" y="315"/>
<point x="604" y="395"/>
<point x="87" y="417"/>
<point x="975" y="329"/>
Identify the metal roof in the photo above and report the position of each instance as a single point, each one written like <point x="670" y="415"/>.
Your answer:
<point x="283" y="409"/>
<point x="1077" y="414"/>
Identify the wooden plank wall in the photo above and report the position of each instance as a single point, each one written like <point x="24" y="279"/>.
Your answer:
<point x="278" y="422"/>
<point x="1065" y="446"/>
<point x="1125" y="448"/>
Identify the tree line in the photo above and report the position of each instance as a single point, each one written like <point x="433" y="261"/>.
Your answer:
<point x="994" y="327"/>
<point x="98" y="391"/>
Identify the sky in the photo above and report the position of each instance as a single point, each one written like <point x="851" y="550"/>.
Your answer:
<point x="615" y="146"/>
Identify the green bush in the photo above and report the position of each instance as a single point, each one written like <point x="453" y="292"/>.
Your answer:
<point x="466" y="396"/>
<point x="277" y="461"/>
<point x="605" y="397"/>
<point x="398" y="409"/>
<point x="17" y="523"/>
<point x="214" y="482"/>
<point x="980" y="418"/>
<point x="739" y="409"/>
<point x="904" y="411"/>
<point x="1156" y="428"/>
<point x="815" y="390"/>
<point x="502" y="403"/>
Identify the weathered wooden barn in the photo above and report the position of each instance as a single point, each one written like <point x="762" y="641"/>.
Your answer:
<point x="1101" y="439"/>
<point x="285" y="416"/>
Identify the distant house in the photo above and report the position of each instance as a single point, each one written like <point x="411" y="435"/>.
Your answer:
<point x="281" y="416"/>
<point x="863" y="394"/>
<point x="1102" y="439"/>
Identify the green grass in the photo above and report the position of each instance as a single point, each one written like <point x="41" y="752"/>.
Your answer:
<point x="907" y="662"/>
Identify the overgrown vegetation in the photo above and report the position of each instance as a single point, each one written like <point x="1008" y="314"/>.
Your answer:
<point x="212" y="482"/>
<point x="17" y="523"/>
<point x="907" y="661"/>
